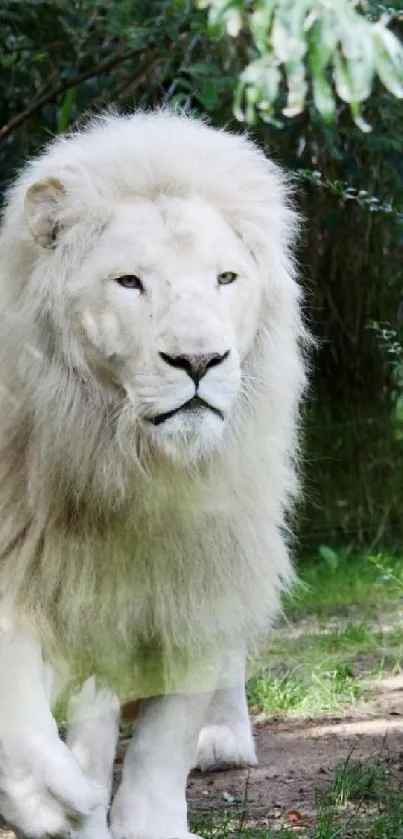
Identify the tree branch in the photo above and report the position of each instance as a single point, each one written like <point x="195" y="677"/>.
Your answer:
<point x="56" y="91"/>
<point x="134" y="80"/>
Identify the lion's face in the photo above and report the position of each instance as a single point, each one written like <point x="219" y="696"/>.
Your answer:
<point x="167" y="303"/>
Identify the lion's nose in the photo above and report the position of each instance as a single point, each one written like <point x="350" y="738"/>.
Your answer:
<point x="195" y="365"/>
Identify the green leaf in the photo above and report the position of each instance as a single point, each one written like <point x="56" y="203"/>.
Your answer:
<point x="138" y="37"/>
<point x="252" y="96"/>
<point x="297" y="88"/>
<point x="353" y="76"/>
<point x="287" y="46"/>
<point x="322" y="44"/>
<point x="329" y="556"/>
<point x="358" y="52"/>
<point x="260" y="23"/>
<point x="324" y="98"/>
<point x="388" y="57"/>
<point x="233" y="23"/>
<point x="399" y="409"/>
<point x="342" y="78"/>
<point x="239" y="96"/>
<point x="270" y="83"/>
<point x="202" y="69"/>
<point x="40" y="56"/>
<point x="65" y="110"/>
<point x="359" y="120"/>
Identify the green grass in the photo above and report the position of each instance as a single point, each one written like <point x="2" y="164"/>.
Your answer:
<point x="360" y="803"/>
<point x="231" y="830"/>
<point x="232" y="825"/>
<point x="349" y="581"/>
<point x="342" y="631"/>
<point x="317" y="691"/>
<point x="317" y="674"/>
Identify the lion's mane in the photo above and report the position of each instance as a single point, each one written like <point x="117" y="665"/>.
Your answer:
<point x="103" y="547"/>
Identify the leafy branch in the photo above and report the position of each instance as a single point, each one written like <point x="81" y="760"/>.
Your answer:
<point x="348" y="193"/>
<point x="58" y="90"/>
<point x="328" y="46"/>
<point x="50" y="94"/>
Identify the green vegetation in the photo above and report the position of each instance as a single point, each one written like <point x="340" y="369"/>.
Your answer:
<point x="360" y="803"/>
<point x="304" y="690"/>
<point x="230" y="828"/>
<point x="61" y="60"/>
<point x="339" y="580"/>
<point x="343" y="630"/>
<point x="323" y="660"/>
<point x="310" y="41"/>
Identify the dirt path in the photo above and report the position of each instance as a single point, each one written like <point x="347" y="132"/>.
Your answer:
<point x="295" y="759"/>
<point x="298" y="757"/>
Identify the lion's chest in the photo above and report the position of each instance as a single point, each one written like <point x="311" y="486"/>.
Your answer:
<point x="130" y="602"/>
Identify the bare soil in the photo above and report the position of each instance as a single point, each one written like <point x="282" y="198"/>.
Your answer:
<point x="297" y="758"/>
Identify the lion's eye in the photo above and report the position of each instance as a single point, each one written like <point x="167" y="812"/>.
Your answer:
<point x="130" y="281"/>
<point x="227" y="277"/>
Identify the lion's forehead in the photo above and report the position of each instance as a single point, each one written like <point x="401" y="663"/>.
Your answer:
<point x="170" y="230"/>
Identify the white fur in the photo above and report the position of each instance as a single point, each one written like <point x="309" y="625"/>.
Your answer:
<point x="42" y="789"/>
<point x="151" y="800"/>
<point x="136" y="551"/>
<point x="226" y="738"/>
<point x="92" y="737"/>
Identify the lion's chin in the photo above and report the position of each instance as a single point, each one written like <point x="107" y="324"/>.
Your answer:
<point x="189" y="437"/>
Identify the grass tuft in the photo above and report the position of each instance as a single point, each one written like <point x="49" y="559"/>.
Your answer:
<point x="304" y="692"/>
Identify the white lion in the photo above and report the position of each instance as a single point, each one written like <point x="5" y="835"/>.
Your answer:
<point x="151" y="373"/>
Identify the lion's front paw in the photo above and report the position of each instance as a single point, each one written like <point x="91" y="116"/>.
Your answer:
<point x="221" y="746"/>
<point x="94" y="826"/>
<point x="43" y="791"/>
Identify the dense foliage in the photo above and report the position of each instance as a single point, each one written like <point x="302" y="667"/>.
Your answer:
<point x="60" y="59"/>
<point x="326" y="46"/>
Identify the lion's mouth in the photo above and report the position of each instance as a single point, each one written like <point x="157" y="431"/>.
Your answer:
<point x="193" y="405"/>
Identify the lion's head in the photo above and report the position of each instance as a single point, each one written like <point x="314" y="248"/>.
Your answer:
<point x="164" y="305"/>
<point x="152" y="256"/>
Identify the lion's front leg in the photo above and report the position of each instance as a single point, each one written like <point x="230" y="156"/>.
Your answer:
<point x="43" y="791"/>
<point x="92" y="737"/>
<point x="151" y="801"/>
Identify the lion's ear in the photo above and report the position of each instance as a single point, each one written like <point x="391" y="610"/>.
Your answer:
<point x="42" y="206"/>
